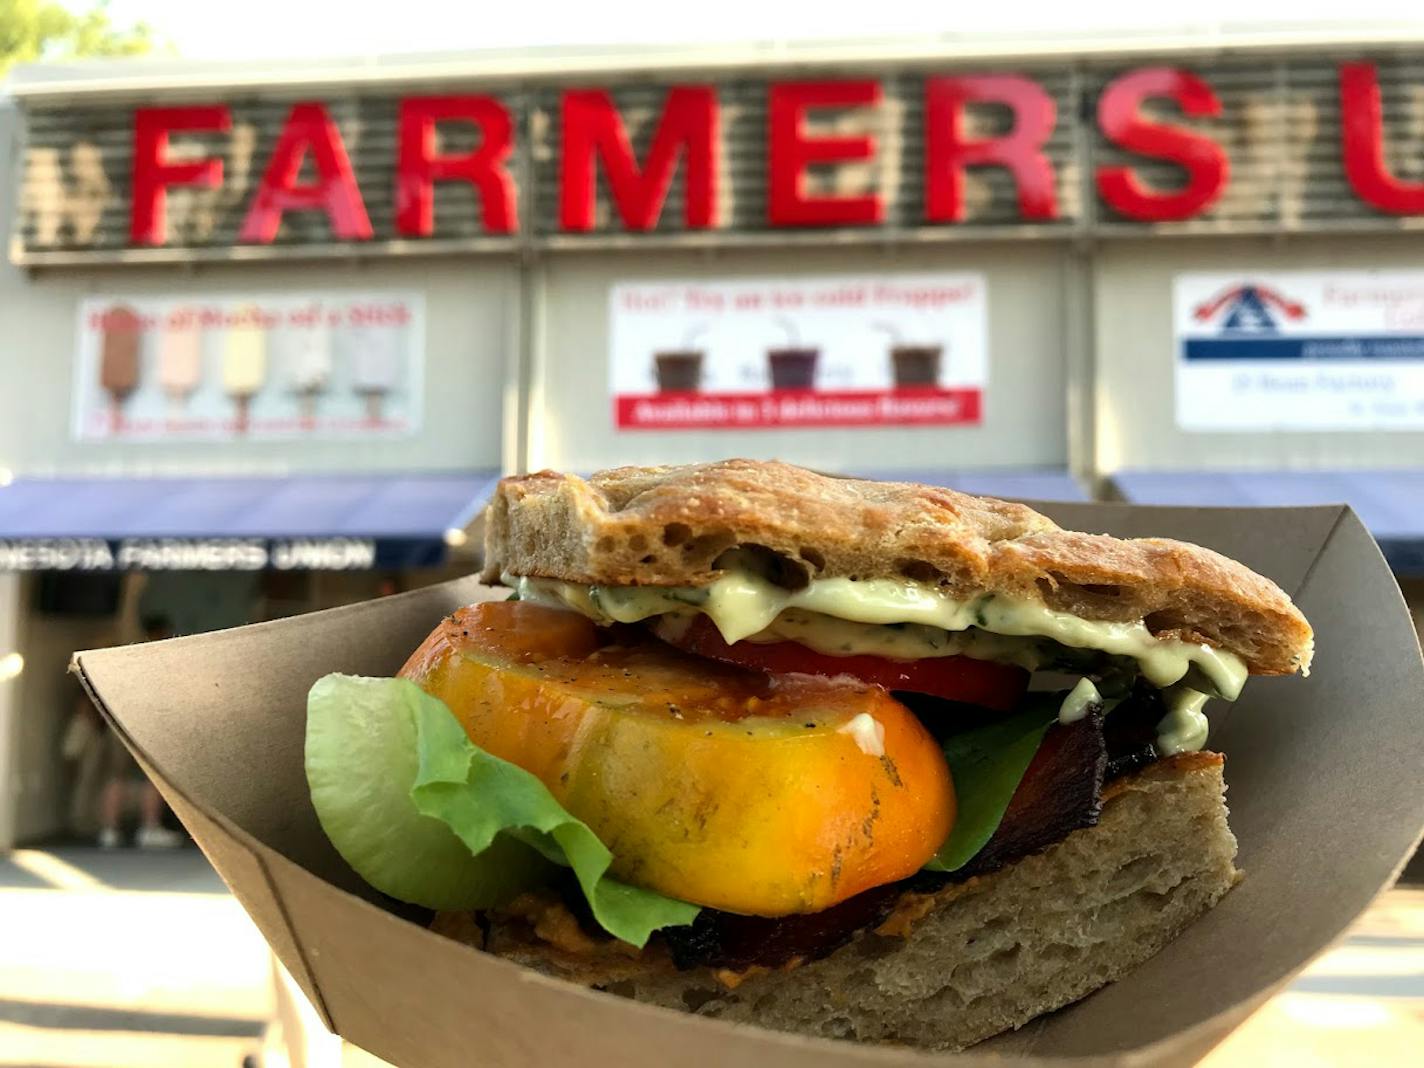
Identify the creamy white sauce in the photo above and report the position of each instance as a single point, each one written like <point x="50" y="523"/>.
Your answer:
<point x="744" y="605"/>
<point x="1080" y="698"/>
<point x="867" y="732"/>
<point x="1184" y="728"/>
<point x="900" y="641"/>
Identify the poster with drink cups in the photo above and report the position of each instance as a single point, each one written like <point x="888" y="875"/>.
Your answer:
<point x="258" y="367"/>
<point x="825" y="351"/>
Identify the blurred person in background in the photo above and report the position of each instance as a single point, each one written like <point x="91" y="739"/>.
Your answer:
<point x="93" y="746"/>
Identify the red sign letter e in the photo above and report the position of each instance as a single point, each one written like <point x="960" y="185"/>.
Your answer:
<point x="792" y="151"/>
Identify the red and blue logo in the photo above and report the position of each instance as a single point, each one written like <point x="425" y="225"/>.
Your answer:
<point x="1249" y="308"/>
<point x="1251" y="322"/>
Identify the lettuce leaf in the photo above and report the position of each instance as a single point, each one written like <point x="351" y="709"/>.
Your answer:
<point x="361" y="761"/>
<point x="478" y="796"/>
<point x="426" y="816"/>
<point x="987" y="765"/>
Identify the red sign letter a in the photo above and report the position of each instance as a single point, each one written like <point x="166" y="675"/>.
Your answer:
<point x="308" y="129"/>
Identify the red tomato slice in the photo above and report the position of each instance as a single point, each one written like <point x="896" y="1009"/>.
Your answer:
<point x="954" y="678"/>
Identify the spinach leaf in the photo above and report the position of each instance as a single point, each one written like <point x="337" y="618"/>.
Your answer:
<point x="987" y="764"/>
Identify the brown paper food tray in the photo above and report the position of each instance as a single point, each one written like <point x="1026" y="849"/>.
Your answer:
<point x="1327" y="800"/>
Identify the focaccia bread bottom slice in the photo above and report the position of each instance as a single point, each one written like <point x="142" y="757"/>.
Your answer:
<point x="954" y="967"/>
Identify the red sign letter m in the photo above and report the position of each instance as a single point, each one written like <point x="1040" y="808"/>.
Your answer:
<point x="592" y="127"/>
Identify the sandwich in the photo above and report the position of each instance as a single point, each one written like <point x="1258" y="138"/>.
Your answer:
<point x="863" y="760"/>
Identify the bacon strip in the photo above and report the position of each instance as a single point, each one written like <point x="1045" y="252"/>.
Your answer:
<point x="1059" y="793"/>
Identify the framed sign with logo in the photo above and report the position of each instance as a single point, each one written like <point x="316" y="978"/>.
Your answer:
<point x="275" y="366"/>
<point x="1300" y="351"/>
<point x="828" y="351"/>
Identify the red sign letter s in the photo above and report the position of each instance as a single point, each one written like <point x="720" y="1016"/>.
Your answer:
<point x="153" y="172"/>
<point x="1201" y="157"/>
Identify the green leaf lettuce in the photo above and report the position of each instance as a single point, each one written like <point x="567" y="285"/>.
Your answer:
<point x="426" y="816"/>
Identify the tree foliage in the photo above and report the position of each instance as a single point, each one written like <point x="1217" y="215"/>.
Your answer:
<point x="32" y="30"/>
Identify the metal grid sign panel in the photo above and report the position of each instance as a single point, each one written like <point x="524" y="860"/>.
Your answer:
<point x="1279" y="126"/>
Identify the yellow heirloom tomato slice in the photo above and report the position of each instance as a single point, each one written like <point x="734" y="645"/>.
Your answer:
<point x="719" y="785"/>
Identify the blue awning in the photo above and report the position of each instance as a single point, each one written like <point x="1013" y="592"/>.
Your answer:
<point x="1391" y="503"/>
<point x="1027" y="483"/>
<point x="338" y="522"/>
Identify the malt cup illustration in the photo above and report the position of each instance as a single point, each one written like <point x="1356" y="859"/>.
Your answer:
<point x="793" y="365"/>
<point x="679" y="370"/>
<point x="912" y="364"/>
<point x="916" y="365"/>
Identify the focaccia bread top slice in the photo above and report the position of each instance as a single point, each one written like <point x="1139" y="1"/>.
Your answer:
<point x="670" y="526"/>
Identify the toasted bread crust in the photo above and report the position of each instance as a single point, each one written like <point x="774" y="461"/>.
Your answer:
<point x="667" y="526"/>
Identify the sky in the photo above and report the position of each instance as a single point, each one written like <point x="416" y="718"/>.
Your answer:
<point x="296" y="28"/>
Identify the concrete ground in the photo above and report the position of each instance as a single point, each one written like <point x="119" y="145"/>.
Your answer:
<point x="142" y="960"/>
<point x="1360" y="1005"/>
<point x="126" y="959"/>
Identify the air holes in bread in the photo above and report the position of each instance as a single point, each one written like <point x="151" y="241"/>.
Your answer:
<point x="1057" y="582"/>
<point x="1160" y="622"/>
<point x="838" y="1027"/>
<point x="1106" y="600"/>
<point x="1098" y="590"/>
<point x="777" y="568"/>
<point x="695" y="997"/>
<point x="705" y="547"/>
<point x="919" y="571"/>
<point x="676" y="533"/>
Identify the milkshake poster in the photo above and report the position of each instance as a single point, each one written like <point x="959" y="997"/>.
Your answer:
<point x="829" y="351"/>
<point x="228" y="368"/>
